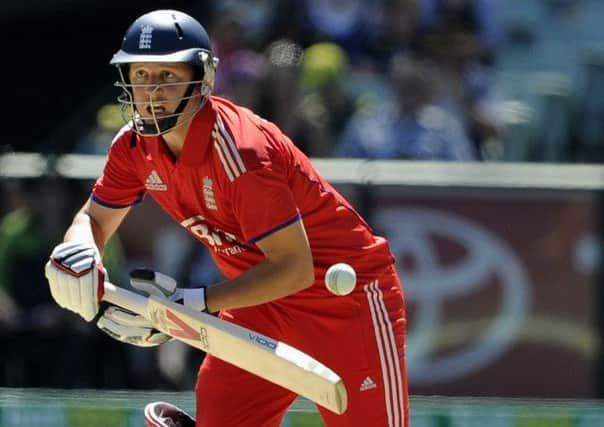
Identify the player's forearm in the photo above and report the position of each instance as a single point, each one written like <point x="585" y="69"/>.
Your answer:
<point x="265" y="282"/>
<point x="85" y="229"/>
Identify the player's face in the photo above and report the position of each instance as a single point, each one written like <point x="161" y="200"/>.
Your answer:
<point x="158" y="88"/>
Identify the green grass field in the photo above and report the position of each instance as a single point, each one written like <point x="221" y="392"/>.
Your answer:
<point x="92" y="408"/>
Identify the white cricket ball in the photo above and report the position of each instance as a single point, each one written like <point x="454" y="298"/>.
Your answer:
<point x="340" y="279"/>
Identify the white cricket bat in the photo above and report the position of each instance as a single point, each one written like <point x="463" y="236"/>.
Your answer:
<point x="270" y="359"/>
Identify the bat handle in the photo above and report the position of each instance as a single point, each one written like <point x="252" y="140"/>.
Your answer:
<point x="125" y="299"/>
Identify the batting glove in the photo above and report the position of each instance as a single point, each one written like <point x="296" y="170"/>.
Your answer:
<point x="158" y="284"/>
<point x="130" y="328"/>
<point x="76" y="277"/>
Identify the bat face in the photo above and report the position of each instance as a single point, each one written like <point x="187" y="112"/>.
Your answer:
<point x="251" y="351"/>
<point x="171" y="323"/>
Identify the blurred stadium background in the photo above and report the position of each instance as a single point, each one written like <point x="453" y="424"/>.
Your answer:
<point x="470" y="132"/>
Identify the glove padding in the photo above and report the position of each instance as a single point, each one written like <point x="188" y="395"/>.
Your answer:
<point x="130" y="328"/>
<point x="135" y="329"/>
<point x="76" y="277"/>
<point x="158" y="284"/>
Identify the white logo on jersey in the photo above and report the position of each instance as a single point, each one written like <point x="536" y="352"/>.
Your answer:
<point x="218" y="240"/>
<point x="144" y="40"/>
<point x="154" y="182"/>
<point x="368" y="384"/>
<point x="208" y="193"/>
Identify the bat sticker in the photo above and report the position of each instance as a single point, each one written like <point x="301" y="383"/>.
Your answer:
<point x="185" y="330"/>
<point x="263" y="341"/>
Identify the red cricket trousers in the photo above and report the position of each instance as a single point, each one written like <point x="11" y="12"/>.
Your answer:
<point x="360" y="336"/>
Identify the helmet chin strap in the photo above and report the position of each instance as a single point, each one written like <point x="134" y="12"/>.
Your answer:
<point x="152" y="127"/>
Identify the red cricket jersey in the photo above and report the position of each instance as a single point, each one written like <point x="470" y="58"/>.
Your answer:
<point x="237" y="180"/>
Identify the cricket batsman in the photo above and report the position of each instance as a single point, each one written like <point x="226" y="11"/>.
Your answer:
<point x="271" y="222"/>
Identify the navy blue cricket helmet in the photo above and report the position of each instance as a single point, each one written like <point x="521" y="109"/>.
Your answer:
<point x="165" y="36"/>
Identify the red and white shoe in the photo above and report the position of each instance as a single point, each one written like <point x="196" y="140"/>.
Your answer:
<point x="162" y="414"/>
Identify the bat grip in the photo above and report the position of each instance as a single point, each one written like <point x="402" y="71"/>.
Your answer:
<point x="125" y="299"/>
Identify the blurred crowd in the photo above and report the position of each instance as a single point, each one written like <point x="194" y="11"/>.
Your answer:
<point x="405" y="79"/>
<point x="375" y="79"/>
<point x="396" y="79"/>
<point x="368" y="79"/>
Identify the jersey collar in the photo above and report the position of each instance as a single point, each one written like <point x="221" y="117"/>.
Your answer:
<point x="199" y="136"/>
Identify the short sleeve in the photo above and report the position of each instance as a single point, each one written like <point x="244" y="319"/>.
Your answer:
<point x="119" y="186"/>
